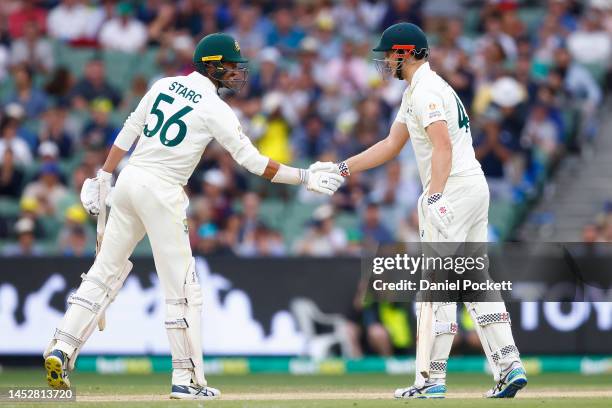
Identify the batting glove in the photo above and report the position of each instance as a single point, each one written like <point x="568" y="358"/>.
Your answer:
<point x="330" y="167"/>
<point x="323" y="182"/>
<point x="90" y="192"/>
<point x="440" y="213"/>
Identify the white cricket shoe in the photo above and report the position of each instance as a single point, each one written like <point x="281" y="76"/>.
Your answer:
<point x="429" y="390"/>
<point x="194" y="392"/>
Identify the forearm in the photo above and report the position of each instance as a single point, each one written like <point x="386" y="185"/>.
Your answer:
<point x="441" y="161"/>
<point x="374" y="156"/>
<point x="112" y="160"/>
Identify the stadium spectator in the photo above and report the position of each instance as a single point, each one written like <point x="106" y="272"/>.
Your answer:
<point x="59" y="83"/>
<point x="26" y="244"/>
<point x="11" y="177"/>
<point x="29" y="208"/>
<point x="54" y="130"/>
<point x="213" y="188"/>
<point x="73" y="237"/>
<point x="27" y="14"/>
<point x="312" y="139"/>
<point x="33" y="50"/>
<point x="9" y="140"/>
<point x="47" y="189"/>
<point x="373" y="232"/>
<point x="251" y="39"/>
<point x="285" y="35"/>
<point x="92" y="86"/>
<point x="495" y="149"/>
<point x="99" y="132"/>
<point x="593" y="37"/>
<point x="323" y="238"/>
<point x="540" y="131"/>
<point x="124" y="32"/>
<point x="33" y="100"/>
<point x="72" y="20"/>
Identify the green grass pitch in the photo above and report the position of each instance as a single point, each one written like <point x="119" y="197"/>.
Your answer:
<point x="343" y="391"/>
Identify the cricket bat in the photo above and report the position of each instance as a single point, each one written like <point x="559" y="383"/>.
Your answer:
<point x="424" y="341"/>
<point x="100" y="228"/>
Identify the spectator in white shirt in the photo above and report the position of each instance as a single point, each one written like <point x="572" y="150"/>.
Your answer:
<point x="33" y="50"/>
<point x="123" y="33"/>
<point x="22" y="155"/>
<point x="71" y="20"/>
<point x="590" y="44"/>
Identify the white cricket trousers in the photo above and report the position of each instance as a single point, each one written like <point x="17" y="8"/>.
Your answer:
<point x="469" y="198"/>
<point x="144" y="203"/>
<point x="141" y="203"/>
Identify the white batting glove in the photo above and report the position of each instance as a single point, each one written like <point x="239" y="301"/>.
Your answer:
<point x="440" y="213"/>
<point x="90" y="193"/>
<point x="323" y="182"/>
<point x="330" y="167"/>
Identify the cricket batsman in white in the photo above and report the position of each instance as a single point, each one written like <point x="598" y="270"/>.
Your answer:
<point x="174" y="122"/>
<point x="453" y="207"/>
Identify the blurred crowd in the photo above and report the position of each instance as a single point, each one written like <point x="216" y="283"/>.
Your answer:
<point x="532" y="74"/>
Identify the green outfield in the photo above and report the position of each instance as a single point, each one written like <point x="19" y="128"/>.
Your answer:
<point x="351" y="390"/>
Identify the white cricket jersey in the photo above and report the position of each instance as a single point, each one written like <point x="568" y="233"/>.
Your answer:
<point x="429" y="99"/>
<point x="176" y="120"/>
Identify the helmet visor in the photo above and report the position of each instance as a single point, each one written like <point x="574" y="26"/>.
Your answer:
<point x="388" y="65"/>
<point x="235" y="76"/>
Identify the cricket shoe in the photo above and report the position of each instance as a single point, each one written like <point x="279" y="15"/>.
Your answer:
<point x="514" y="380"/>
<point x="56" y="364"/>
<point x="194" y="392"/>
<point x="429" y="390"/>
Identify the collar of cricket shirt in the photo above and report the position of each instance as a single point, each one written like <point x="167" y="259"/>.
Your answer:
<point x="203" y="81"/>
<point x="419" y="74"/>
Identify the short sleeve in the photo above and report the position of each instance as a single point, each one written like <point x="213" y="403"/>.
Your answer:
<point x="429" y="108"/>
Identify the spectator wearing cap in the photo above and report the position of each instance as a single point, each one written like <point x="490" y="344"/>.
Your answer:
<point x="33" y="100"/>
<point x="99" y="132"/>
<point x="93" y="86"/>
<point x="27" y="13"/>
<point x="48" y="152"/>
<point x="323" y="237"/>
<point x="329" y="45"/>
<point x="71" y="20"/>
<point x="73" y="238"/>
<point x="124" y="32"/>
<point x="33" y="50"/>
<point x="26" y="242"/>
<point x="29" y="208"/>
<point x="9" y="140"/>
<point x="47" y="189"/>
<point x="11" y="176"/>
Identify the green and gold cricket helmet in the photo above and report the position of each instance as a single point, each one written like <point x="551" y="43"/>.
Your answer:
<point x="216" y="50"/>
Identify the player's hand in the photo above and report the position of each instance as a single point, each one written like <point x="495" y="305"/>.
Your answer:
<point x="440" y="213"/>
<point x="329" y="167"/>
<point x="90" y="193"/>
<point x="323" y="182"/>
